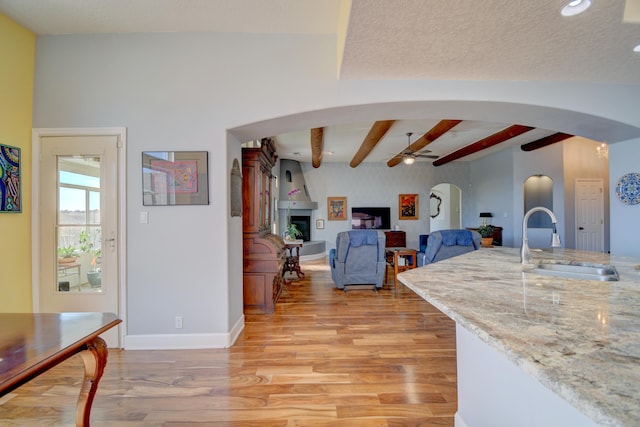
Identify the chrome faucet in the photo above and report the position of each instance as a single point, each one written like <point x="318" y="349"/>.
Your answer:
<point x="525" y="253"/>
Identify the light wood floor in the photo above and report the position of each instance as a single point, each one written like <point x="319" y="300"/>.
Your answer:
<point x="325" y="358"/>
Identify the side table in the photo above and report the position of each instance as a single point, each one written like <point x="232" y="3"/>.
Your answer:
<point x="292" y="259"/>
<point x="395" y="255"/>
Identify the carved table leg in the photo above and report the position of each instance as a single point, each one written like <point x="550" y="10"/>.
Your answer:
<point x="94" y="358"/>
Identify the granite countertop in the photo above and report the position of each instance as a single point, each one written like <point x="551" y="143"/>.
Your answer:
<point x="579" y="338"/>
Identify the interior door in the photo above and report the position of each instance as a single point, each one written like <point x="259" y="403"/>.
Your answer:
<point x="589" y="215"/>
<point x="78" y="216"/>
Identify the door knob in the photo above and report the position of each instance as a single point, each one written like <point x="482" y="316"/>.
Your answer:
<point x="580" y="228"/>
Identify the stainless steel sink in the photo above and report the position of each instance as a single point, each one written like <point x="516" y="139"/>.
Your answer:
<point x="577" y="270"/>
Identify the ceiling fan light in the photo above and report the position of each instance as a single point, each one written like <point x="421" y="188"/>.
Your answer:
<point x="575" y="7"/>
<point x="408" y="160"/>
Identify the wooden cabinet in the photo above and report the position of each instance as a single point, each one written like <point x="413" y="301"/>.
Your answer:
<point x="497" y="235"/>
<point x="396" y="239"/>
<point x="263" y="252"/>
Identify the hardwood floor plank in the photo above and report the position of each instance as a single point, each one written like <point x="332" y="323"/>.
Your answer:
<point x="384" y="411"/>
<point x="324" y="358"/>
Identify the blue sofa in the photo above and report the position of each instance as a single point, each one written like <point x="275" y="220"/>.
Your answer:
<point x="443" y="244"/>
<point x="358" y="258"/>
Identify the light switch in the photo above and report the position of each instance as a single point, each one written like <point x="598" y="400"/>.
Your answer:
<point x="144" y="217"/>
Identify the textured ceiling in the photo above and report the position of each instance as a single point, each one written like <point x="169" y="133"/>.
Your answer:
<point x="500" y="40"/>
<point x="490" y="40"/>
<point x="390" y="39"/>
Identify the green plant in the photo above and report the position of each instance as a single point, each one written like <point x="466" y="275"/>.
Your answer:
<point x="486" y="230"/>
<point x="67" y="251"/>
<point x="85" y="244"/>
<point x="293" y="231"/>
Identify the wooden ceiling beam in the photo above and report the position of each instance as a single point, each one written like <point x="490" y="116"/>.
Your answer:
<point x="543" y="142"/>
<point x="491" y="140"/>
<point x="376" y="133"/>
<point x="442" y="127"/>
<point x="317" y="144"/>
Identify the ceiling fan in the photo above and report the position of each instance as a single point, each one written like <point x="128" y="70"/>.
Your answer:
<point x="409" y="156"/>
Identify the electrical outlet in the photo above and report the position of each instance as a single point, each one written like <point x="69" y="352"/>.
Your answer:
<point x="178" y="322"/>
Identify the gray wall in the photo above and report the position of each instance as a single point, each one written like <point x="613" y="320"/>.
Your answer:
<point x="580" y="162"/>
<point x="493" y="188"/>
<point x="377" y="185"/>
<point x="625" y="219"/>
<point x="212" y="91"/>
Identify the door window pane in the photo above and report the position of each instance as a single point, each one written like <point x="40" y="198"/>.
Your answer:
<point x="78" y="228"/>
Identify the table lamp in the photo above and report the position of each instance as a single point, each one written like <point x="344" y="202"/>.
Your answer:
<point x="484" y="216"/>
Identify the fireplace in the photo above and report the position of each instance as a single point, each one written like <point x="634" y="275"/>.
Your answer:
<point x="304" y="225"/>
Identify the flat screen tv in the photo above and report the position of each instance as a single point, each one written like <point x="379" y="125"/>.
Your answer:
<point x="362" y="218"/>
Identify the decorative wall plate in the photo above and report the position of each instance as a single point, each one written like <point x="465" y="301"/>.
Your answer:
<point x="628" y="189"/>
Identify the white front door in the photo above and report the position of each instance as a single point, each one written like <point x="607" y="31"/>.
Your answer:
<point x="589" y="215"/>
<point x="78" y="225"/>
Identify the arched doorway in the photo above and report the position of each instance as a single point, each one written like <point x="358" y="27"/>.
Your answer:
<point x="538" y="191"/>
<point x="445" y="205"/>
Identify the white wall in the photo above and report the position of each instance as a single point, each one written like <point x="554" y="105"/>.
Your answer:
<point x="450" y="209"/>
<point x="186" y="91"/>
<point x="625" y="219"/>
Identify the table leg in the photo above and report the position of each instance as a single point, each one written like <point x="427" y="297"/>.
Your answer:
<point x="395" y="269"/>
<point x="292" y="262"/>
<point x="94" y="358"/>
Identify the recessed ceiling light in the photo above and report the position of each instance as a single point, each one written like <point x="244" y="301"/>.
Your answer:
<point x="575" y="7"/>
<point x="637" y="49"/>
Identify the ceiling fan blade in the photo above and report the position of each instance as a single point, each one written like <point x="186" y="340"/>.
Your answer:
<point x="442" y="127"/>
<point x="426" y="156"/>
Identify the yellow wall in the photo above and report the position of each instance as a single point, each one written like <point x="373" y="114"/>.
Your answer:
<point x="17" y="52"/>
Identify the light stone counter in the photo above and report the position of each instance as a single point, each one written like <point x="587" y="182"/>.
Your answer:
<point x="579" y="338"/>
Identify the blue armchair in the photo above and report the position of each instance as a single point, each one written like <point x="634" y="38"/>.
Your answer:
<point x="443" y="244"/>
<point x="358" y="258"/>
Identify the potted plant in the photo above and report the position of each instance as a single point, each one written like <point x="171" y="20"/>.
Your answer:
<point x="293" y="232"/>
<point x="486" y="232"/>
<point x="67" y="254"/>
<point x="88" y="246"/>
<point x="95" y="275"/>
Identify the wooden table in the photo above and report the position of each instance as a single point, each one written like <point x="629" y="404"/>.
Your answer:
<point x="63" y="269"/>
<point x="33" y="343"/>
<point x="292" y="260"/>
<point x="394" y="255"/>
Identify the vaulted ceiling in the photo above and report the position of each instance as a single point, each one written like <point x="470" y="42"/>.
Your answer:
<point x="395" y="39"/>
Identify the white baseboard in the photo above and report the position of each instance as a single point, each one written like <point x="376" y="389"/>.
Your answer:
<point x="184" y="341"/>
<point x="458" y="421"/>
<point x="314" y="256"/>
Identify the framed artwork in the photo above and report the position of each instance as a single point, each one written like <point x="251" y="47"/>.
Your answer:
<point x="408" y="206"/>
<point x="337" y="208"/>
<point x="320" y="224"/>
<point x="10" y="184"/>
<point x="172" y="178"/>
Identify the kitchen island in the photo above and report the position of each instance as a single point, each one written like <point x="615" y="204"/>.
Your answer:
<point x="535" y="349"/>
